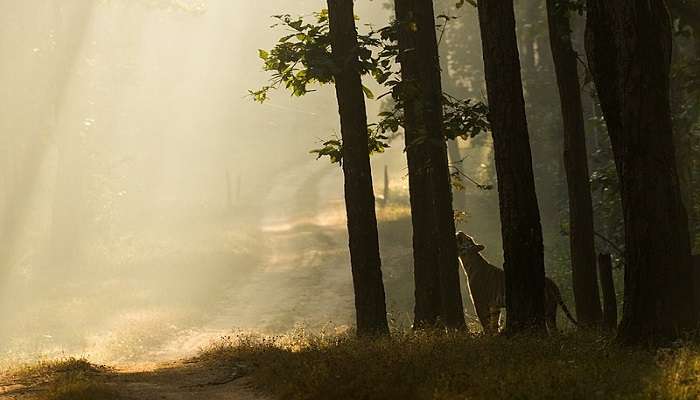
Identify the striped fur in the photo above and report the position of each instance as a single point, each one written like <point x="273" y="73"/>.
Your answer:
<point x="487" y="288"/>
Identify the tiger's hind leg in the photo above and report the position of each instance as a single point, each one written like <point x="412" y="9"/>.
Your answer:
<point x="550" y="315"/>
<point x="485" y="318"/>
<point x="494" y="318"/>
<point x="551" y="321"/>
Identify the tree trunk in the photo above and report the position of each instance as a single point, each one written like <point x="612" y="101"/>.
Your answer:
<point x="629" y="47"/>
<point x="520" y="217"/>
<point x="435" y="249"/>
<point x="452" y="309"/>
<point x="582" y="243"/>
<point x="370" y="304"/>
<point x="696" y="283"/>
<point x="608" y="288"/>
<point x="426" y="273"/>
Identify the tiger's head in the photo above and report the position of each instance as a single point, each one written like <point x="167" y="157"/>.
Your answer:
<point x="467" y="246"/>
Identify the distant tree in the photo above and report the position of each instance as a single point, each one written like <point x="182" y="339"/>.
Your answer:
<point x="520" y="218"/>
<point x="435" y="251"/>
<point x="581" y="232"/>
<point x="629" y="50"/>
<point x="370" y="303"/>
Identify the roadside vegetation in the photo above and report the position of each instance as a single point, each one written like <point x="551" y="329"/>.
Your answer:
<point x="406" y="365"/>
<point x="461" y="366"/>
<point x="64" y="379"/>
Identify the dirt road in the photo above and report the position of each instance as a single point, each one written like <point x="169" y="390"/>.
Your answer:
<point x="182" y="380"/>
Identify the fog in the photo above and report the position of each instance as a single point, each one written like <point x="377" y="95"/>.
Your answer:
<point x="139" y="180"/>
<point x="147" y="205"/>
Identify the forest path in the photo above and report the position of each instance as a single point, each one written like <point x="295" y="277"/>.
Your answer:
<point x="194" y="379"/>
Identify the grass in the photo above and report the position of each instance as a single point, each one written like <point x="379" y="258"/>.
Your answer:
<point x="76" y="386"/>
<point x="461" y="366"/>
<point x="65" y="379"/>
<point x="425" y="365"/>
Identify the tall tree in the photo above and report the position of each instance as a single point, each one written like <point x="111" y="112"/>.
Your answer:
<point x="686" y="115"/>
<point x="370" y="303"/>
<point x="629" y="49"/>
<point x="426" y="272"/>
<point x="523" y="249"/>
<point x="581" y="232"/>
<point x="435" y="249"/>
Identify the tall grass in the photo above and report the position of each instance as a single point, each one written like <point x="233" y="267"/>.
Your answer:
<point x="461" y="366"/>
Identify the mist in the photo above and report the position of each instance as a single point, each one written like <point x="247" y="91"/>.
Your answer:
<point x="149" y="206"/>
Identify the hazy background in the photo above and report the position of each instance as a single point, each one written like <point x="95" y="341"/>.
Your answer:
<point x="148" y="206"/>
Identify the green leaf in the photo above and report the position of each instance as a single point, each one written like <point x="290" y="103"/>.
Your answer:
<point x="368" y="92"/>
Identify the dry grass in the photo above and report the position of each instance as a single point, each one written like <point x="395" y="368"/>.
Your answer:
<point x="75" y="386"/>
<point x="64" y="379"/>
<point x="461" y="366"/>
<point x="430" y="365"/>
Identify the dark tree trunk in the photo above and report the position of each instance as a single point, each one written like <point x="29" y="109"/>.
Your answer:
<point x="607" y="286"/>
<point x="629" y="47"/>
<point x="582" y="243"/>
<point x="696" y="283"/>
<point x="435" y="250"/>
<point x="520" y="217"/>
<point x="370" y="304"/>
<point x="426" y="272"/>
<point x="452" y="310"/>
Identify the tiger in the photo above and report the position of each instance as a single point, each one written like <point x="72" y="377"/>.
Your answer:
<point x="487" y="288"/>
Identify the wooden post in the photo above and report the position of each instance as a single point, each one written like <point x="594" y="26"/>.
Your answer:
<point x="608" y="288"/>
<point x="239" y="184"/>
<point x="229" y="200"/>
<point x="386" y="186"/>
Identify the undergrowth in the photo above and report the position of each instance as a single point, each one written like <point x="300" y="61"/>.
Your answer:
<point x="461" y="366"/>
<point x="78" y="386"/>
<point x="64" y="379"/>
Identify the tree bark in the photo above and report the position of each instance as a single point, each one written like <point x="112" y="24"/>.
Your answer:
<point x="370" y="303"/>
<point x="629" y="47"/>
<point x="435" y="249"/>
<point x="696" y="283"/>
<point x="582" y="243"/>
<point x="520" y="217"/>
<point x="426" y="273"/>
<point x="608" y="288"/>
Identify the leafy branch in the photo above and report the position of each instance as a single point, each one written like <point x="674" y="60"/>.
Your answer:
<point x="303" y="58"/>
